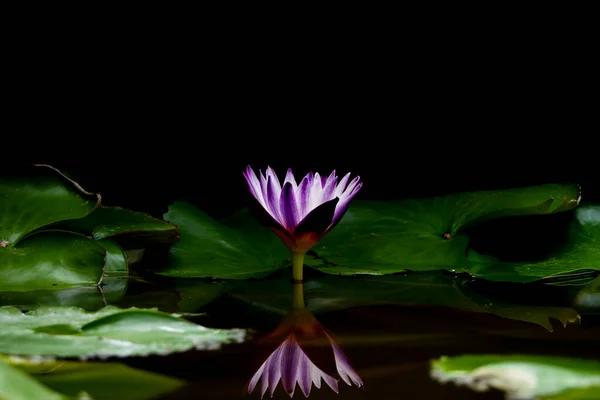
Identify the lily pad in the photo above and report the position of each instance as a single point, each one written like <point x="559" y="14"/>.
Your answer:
<point x="522" y="376"/>
<point x="109" y="381"/>
<point x="125" y="226"/>
<point x="32" y="201"/>
<point x="51" y="260"/>
<point x="377" y="237"/>
<point x="18" y="385"/>
<point x="210" y="249"/>
<point x="73" y="332"/>
<point x="579" y="253"/>
<point x="111" y="288"/>
<point x="374" y="237"/>
<point x="435" y="289"/>
<point x="101" y="380"/>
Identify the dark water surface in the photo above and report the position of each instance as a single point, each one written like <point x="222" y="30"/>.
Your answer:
<point x="389" y="346"/>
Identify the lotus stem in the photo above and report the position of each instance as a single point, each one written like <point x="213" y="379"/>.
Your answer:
<point x="298" y="296"/>
<point x="297" y="266"/>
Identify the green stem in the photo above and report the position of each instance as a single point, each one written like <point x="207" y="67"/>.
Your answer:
<point x="298" y="296"/>
<point x="297" y="265"/>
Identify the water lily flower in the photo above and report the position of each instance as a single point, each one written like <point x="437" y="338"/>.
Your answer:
<point x="291" y="365"/>
<point x="301" y="214"/>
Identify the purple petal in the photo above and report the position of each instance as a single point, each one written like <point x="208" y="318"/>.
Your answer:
<point x="342" y="185"/>
<point x="330" y="381"/>
<point x="253" y="184"/>
<point x="315" y="194"/>
<point x="274" y="179"/>
<point x="288" y="206"/>
<point x="256" y="377"/>
<point x="343" y="366"/>
<point x="273" y="200"/>
<point x="304" y="375"/>
<point x="304" y="195"/>
<point x="289" y="366"/>
<point x="346" y="198"/>
<point x="329" y="188"/>
<point x="271" y="378"/>
<point x="319" y="219"/>
<point x="289" y="177"/>
<point x="263" y="186"/>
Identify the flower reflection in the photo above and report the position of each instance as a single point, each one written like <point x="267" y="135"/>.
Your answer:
<point x="290" y="364"/>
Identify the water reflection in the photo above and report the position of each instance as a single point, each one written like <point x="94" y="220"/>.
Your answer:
<point x="300" y="334"/>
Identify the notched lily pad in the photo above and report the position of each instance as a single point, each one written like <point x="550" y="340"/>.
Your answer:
<point x="37" y="198"/>
<point x="73" y="332"/>
<point x="522" y="376"/>
<point x="378" y="237"/>
<point x="125" y="226"/>
<point x="579" y="253"/>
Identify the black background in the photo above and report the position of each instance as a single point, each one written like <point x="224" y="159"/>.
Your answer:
<point x="152" y="120"/>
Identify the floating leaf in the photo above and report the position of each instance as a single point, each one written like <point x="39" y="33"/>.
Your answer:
<point x="131" y="227"/>
<point x="377" y="237"/>
<point x="51" y="260"/>
<point x="111" y="289"/>
<point x="28" y="203"/>
<point x="522" y="376"/>
<point x="72" y="332"/>
<point x="102" y="380"/>
<point x="374" y="237"/>
<point x="435" y="289"/>
<point x="210" y="249"/>
<point x="579" y="253"/>
<point x="18" y="385"/>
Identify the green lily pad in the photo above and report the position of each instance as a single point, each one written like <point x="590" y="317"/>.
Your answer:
<point x="30" y="202"/>
<point x="113" y="283"/>
<point x="51" y="260"/>
<point x="434" y="289"/>
<point x="374" y="237"/>
<point x="73" y="332"/>
<point x="579" y="253"/>
<point x="101" y="380"/>
<point x="379" y="237"/>
<point x="522" y="376"/>
<point x="109" y="381"/>
<point x="210" y="249"/>
<point x="18" y="385"/>
<point x="125" y="226"/>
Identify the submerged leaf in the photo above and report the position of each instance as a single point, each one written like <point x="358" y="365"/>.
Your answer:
<point x="522" y="376"/>
<point x="108" y="332"/>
